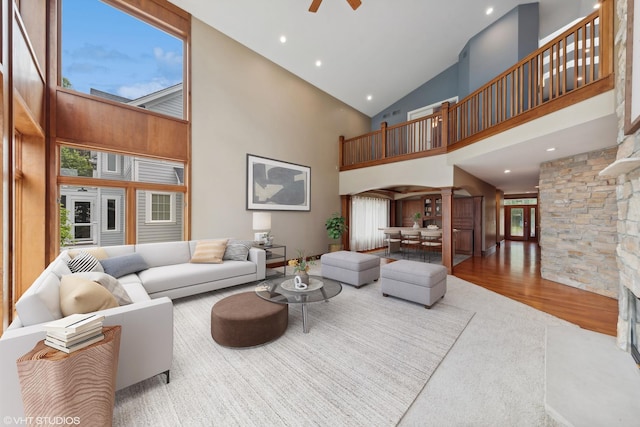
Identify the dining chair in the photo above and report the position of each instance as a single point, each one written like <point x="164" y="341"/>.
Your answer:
<point x="430" y="241"/>
<point x="393" y="239"/>
<point x="410" y="241"/>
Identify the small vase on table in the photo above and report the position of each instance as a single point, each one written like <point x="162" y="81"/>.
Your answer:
<point x="304" y="277"/>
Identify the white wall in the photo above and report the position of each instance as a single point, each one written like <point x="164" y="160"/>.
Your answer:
<point x="427" y="171"/>
<point x="243" y="103"/>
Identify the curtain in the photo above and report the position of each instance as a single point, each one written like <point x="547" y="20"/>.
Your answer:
<point x="367" y="215"/>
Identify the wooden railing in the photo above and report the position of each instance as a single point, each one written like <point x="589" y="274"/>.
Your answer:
<point x="578" y="59"/>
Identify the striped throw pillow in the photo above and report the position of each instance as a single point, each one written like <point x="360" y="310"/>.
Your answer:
<point x="209" y="251"/>
<point x="84" y="261"/>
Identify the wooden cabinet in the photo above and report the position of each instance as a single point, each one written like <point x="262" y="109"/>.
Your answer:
<point x="409" y="208"/>
<point x="432" y="211"/>
<point x="464" y="241"/>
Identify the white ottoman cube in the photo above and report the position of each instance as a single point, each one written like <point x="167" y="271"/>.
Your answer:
<point x="415" y="281"/>
<point x="349" y="267"/>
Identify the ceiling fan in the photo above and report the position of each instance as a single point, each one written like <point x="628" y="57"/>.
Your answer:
<point x="316" y="4"/>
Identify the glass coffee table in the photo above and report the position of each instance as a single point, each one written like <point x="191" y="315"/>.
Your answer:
<point x="282" y="290"/>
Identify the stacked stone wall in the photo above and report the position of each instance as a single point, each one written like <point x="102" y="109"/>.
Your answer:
<point x="578" y="222"/>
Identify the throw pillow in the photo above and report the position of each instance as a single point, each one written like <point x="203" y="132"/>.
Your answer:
<point x="99" y="253"/>
<point x="84" y="261"/>
<point x="110" y="283"/>
<point x="237" y="250"/>
<point x="79" y="295"/>
<point x="209" y="251"/>
<point x="122" y="265"/>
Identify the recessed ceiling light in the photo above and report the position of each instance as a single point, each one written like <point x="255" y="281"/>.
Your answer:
<point x="551" y="149"/>
<point x="507" y="171"/>
<point x="489" y="11"/>
<point x="596" y="6"/>
<point x="318" y="63"/>
<point x="369" y="97"/>
<point x="283" y="39"/>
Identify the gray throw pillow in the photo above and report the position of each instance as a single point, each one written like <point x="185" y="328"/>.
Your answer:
<point x="122" y="265"/>
<point x="237" y="250"/>
<point x="84" y="261"/>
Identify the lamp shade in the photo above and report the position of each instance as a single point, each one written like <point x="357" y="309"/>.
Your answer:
<point x="262" y="221"/>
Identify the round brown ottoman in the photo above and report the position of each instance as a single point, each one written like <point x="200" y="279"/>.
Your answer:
<point x="246" y="320"/>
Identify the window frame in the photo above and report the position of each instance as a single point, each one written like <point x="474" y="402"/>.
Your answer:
<point x="149" y="205"/>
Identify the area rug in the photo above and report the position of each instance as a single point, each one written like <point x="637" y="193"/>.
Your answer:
<point x="363" y="362"/>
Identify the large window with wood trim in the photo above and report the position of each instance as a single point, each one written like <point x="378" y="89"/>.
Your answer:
<point x="111" y="54"/>
<point x="94" y="199"/>
<point x="121" y="176"/>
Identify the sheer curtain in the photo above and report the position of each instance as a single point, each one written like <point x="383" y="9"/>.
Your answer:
<point x="367" y="215"/>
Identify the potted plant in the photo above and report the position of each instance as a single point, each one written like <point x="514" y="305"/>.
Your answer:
<point x="416" y="219"/>
<point x="301" y="266"/>
<point x="336" y="226"/>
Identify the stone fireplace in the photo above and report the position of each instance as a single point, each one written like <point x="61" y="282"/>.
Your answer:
<point x="628" y="250"/>
<point x="629" y="322"/>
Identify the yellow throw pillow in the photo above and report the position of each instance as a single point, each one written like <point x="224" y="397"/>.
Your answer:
<point x="209" y="251"/>
<point x="99" y="253"/>
<point x="79" y="295"/>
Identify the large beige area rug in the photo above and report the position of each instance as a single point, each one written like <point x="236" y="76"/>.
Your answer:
<point x="363" y="363"/>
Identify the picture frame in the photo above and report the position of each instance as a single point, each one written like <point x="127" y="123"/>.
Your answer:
<point x="632" y="83"/>
<point x="277" y="185"/>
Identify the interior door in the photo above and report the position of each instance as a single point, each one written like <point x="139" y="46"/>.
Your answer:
<point x="521" y="223"/>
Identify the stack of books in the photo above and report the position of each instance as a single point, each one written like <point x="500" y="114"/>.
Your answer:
<point x="74" y="332"/>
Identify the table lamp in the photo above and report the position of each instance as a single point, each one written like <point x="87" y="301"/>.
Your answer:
<point x="262" y="226"/>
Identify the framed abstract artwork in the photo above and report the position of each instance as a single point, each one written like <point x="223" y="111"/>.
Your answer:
<point x="277" y="185"/>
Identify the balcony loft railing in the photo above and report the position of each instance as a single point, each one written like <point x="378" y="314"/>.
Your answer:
<point x="574" y="66"/>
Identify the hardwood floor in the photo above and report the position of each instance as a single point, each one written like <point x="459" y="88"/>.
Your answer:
<point x="514" y="271"/>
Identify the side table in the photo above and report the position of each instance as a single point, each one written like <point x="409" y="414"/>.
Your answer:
<point x="279" y="254"/>
<point x="78" y="386"/>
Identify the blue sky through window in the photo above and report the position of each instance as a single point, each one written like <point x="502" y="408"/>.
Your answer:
<point x="106" y="49"/>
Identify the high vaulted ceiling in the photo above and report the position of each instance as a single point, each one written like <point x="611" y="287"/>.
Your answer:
<point x="385" y="48"/>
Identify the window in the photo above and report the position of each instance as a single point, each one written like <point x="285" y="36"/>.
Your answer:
<point x="111" y="213"/>
<point x="133" y="53"/>
<point x="160" y="207"/>
<point x="76" y="162"/>
<point x="120" y="167"/>
<point x="111" y="54"/>
<point x="512" y="202"/>
<point x="368" y="215"/>
<point x="112" y="162"/>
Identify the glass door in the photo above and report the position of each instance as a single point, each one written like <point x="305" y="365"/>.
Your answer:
<point x="521" y="223"/>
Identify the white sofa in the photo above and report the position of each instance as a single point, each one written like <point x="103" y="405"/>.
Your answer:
<point x="146" y="343"/>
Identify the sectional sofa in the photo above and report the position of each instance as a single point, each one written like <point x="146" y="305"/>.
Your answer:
<point x="151" y="274"/>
